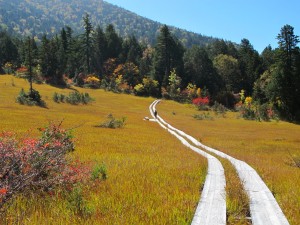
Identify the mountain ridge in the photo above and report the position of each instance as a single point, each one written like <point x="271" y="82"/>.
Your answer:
<point x="38" y="17"/>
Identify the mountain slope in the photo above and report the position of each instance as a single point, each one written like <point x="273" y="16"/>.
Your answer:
<point x="36" y="17"/>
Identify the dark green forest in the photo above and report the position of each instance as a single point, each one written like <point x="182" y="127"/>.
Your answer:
<point x="100" y="57"/>
<point x="39" y="17"/>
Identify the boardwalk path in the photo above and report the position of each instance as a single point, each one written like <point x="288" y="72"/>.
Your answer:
<point x="212" y="206"/>
<point x="263" y="207"/>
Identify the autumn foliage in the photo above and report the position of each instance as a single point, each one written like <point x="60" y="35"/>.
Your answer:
<point x="201" y="101"/>
<point x="37" y="164"/>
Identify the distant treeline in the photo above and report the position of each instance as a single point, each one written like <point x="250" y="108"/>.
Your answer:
<point x="102" y="58"/>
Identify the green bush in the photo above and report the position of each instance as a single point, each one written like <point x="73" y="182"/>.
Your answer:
<point x="113" y="123"/>
<point x="78" y="204"/>
<point x="99" y="172"/>
<point x="55" y="97"/>
<point x="139" y="90"/>
<point x="30" y="98"/>
<point x="263" y="112"/>
<point x="73" y="98"/>
<point x="248" y="113"/>
<point x="203" y="116"/>
<point x="219" y="109"/>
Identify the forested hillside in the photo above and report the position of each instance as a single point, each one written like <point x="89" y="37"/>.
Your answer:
<point x="37" y="17"/>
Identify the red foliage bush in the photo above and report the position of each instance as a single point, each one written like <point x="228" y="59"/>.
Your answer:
<point x="37" y="164"/>
<point x="22" y="69"/>
<point x="201" y="101"/>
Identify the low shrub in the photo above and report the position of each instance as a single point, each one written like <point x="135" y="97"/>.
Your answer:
<point x="219" y="109"/>
<point x="248" y="113"/>
<point x="264" y="112"/>
<point x="99" y="172"/>
<point x="92" y="81"/>
<point x="113" y="123"/>
<point x="201" y="103"/>
<point x="139" y="90"/>
<point x="78" y="204"/>
<point x="31" y="98"/>
<point x="58" y="97"/>
<point x="73" y="98"/>
<point x="34" y="165"/>
<point x="55" y="97"/>
<point x="203" y="116"/>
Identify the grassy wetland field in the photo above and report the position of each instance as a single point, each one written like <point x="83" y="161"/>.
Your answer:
<point x="152" y="178"/>
<point x="267" y="146"/>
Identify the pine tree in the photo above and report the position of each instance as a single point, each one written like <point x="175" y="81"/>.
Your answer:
<point x="100" y="50"/>
<point x="29" y="60"/>
<point x="114" y="42"/>
<point x="163" y="55"/>
<point x="168" y="56"/>
<point x="250" y="65"/>
<point x="285" y="83"/>
<point x="87" y="40"/>
<point x="268" y="57"/>
<point x="288" y="49"/>
<point x="8" y="49"/>
<point x="75" y="55"/>
<point x="63" y="50"/>
<point x="131" y="50"/>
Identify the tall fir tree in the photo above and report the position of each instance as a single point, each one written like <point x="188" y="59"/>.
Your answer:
<point x="30" y="59"/>
<point x="87" y="41"/>
<point x="284" y="88"/>
<point x="100" y="50"/>
<point x="268" y="57"/>
<point x="50" y="55"/>
<point x="250" y="65"/>
<point x="131" y="50"/>
<point x="162" y="64"/>
<point x="114" y="42"/>
<point x="8" y="49"/>
<point x="168" y="55"/>
<point x="75" y="55"/>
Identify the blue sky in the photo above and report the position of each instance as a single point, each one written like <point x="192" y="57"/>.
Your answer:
<point x="257" y="20"/>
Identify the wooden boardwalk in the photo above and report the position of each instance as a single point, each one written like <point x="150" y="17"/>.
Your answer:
<point x="264" y="208"/>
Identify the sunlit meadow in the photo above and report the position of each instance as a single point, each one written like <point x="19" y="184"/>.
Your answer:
<point x="152" y="178"/>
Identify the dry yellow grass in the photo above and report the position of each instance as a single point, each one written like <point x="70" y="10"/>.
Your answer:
<point x="237" y="201"/>
<point x="152" y="178"/>
<point x="266" y="146"/>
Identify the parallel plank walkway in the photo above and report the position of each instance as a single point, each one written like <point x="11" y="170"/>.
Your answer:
<point x="264" y="208"/>
<point x="212" y="205"/>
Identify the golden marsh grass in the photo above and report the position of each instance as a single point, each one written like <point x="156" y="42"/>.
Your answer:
<point x="152" y="178"/>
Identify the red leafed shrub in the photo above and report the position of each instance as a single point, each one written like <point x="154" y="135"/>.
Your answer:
<point x="201" y="101"/>
<point x="37" y="164"/>
<point x="22" y="69"/>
